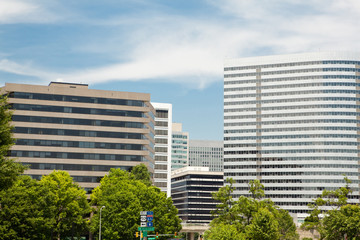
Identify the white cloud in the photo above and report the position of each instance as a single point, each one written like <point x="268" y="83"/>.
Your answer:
<point x="24" y="69"/>
<point x="191" y="49"/>
<point x="30" y="11"/>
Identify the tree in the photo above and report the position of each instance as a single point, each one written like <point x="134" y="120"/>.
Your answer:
<point x="124" y="197"/>
<point x="67" y="208"/>
<point x="141" y="173"/>
<point x="224" y="232"/>
<point x="342" y="220"/>
<point x="9" y="169"/>
<point x="21" y="211"/>
<point x="264" y="226"/>
<point x="53" y="208"/>
<point x="251" y="217"/>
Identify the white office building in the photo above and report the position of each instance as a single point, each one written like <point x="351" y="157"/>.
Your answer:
<point x="293" y="121"/>
<point x="163" y="131"/>
<point x="206" y="153"/>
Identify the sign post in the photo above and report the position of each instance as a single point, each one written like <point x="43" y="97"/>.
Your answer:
<point x="146" y="223"/>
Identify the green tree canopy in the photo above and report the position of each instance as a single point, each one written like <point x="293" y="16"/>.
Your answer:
<point x="9" y="169"/>
<point x="250" y="217"/>
<point x="67" y="206"/>
<point x="341" y="221"/>
<point x="53" y="208"/>
<point x="124" y="196"/>
<point x="141" y="173"/>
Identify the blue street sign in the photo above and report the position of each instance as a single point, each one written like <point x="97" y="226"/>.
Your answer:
<point x="150" y="213"/>
<point x="149" y="219"/>
<point x="149" y="224"/>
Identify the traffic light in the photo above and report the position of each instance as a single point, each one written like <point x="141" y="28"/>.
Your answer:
<point x="157" y="235"/>
<point x="137" y="234"/>
<point x="175" y="234"/>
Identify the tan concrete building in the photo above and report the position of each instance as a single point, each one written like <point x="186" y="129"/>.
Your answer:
<point x="83" y="131"/>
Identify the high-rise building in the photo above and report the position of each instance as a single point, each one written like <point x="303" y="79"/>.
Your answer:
<point x="293" y="122"/>
<point x="86" y="132"/>
<point x="191" y="191"/>
<point x="180" y="147"/>
<point x="163" y="131"/>
<point x="206" y="153"/>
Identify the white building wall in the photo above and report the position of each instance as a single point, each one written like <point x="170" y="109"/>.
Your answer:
<point x="293" y="122"/>
<point x="162" y="174"/>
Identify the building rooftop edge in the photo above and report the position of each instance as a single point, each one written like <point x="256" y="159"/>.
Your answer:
<point x="295" y="57"/>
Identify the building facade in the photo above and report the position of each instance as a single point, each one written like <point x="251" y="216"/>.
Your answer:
<point x="293" y="121"/>
<point x="206" y="153"/>
<point x="180" y="147"/>
<point x="191" y="189"/>
<point x="86" y="132"/>
<point x="163" y="132"/>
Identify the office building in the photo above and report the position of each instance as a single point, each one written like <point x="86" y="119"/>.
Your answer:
<point x="163" y="132"/>
<point x="86" y="132"/>
<point x="180" y="147"/>
<point x="293" y="121"/>
<point x="206" y="153"/>
<point x="191" y="189"/>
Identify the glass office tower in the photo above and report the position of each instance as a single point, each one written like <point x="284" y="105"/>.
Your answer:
<point x="293" y="122"/>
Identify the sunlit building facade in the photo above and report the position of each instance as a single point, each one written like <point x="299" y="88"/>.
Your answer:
<point x="293" y="122"/>
<point x="163" y="133"/>
<point x="67" y="126"/>
<point x="180" y="147"/>
<point x="206" y="153"/>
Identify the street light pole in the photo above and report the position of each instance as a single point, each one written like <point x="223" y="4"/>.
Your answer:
<point x="100" y="223"/>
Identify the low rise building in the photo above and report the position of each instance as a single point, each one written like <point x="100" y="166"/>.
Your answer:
<point x="191" y="191"/>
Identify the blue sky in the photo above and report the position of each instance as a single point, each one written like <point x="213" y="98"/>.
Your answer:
<point x="173" y="49"/>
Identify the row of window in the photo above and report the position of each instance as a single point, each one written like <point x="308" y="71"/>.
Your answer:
<point x="310" y="99"/>
<point x="312" y="143"/>
<point x="196" y="183"/>
<point x="292" y="71"/>
<point x="297" y="107"/>
<point x="260" y="123"/>
<point x="70" y="155"/>
<point x="293" y="93"/>
<point x="76" y="121"/>
<point x="313" y="158"/>
<point x="282" y="151"/>
<point x="161" y="124"/>
<point x="162" y="113"/>
<point x="293" y="129"/>
<point x="309" y="196"/>
<point x="78" y="110"/>
<point x="83" y="133"/>
<point x="292" y="136"/>
<point x="75" y="178"/>
<point x="352" y="166"/>
<point x="75" y="144"/>
<point x="294" y="114"/>
<point x="264" y="181"/>
<point x="233" y="174"/>
<point x="291" y="64"/>
<point x="298" y="85"/>
<point x="288" y="79"/>
<point x="295" y="188"/>
<point x="73" y="167"/>
<point x="69" y="98"/>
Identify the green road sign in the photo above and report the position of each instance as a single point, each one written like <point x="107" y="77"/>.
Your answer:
<point x="146" y="228"/>
<point x="151" y="238"/>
